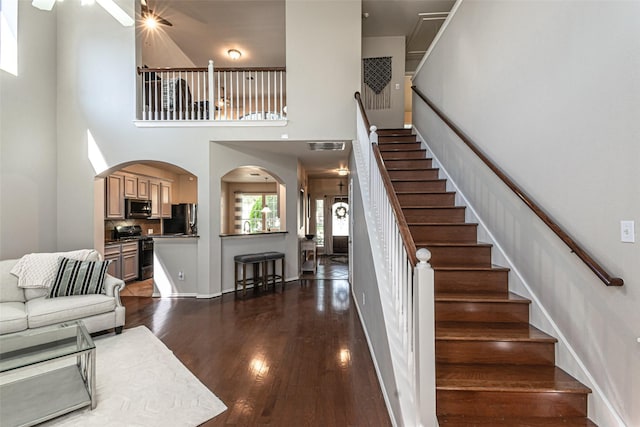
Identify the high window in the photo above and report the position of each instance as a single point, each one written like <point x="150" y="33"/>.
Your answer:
<point x="9" y="36"/>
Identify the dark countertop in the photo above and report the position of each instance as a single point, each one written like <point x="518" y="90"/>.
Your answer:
<point x="262" y="233"/>
<point x="174" y="236"/>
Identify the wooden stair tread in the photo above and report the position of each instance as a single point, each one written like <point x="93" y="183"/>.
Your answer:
<point x="401" y="147"/>
<point x="457" y="245"/>
<point x="469" y="421"/>
<point x="394" y="180"/>
<point x="508" y="378"/>
<point x="424" y="192"/>
<point x="483" y="331"/>
<point x="444" y="224"/>
<point x="412" y="168"/>
<point x="481" y="297"/>
<point x="492" y="268"/>
<point x="406" y="207"/>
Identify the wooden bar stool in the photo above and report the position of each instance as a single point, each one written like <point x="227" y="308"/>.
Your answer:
<point x="257" y="261"/>
<point x="273" y="277"/>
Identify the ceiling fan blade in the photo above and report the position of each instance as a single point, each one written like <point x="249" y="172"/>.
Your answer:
<point x="163" y="21"/>
<point x="146" y="12"/>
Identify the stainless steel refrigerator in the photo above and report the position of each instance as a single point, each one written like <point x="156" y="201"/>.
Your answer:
<point x="184" y="219"/>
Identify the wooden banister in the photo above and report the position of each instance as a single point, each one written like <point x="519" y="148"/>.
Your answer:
<point x="594" y="266"/>
<point x="407" y="239"/>
<point x="364" y="113"/>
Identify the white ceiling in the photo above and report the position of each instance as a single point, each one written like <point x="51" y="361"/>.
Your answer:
<point x="207" y="29"/>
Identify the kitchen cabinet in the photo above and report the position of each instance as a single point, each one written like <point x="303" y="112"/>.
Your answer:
<point x="165" y="199"/>
<point x="154" y="196"/>
<point x="121" y="185"/>
<point x="130" y="261"/>
<point x="114" y="203"/>
<point x="143" y="188"/>
<point x="160" y="196"/>
<point x="112" y="253"/>
<point x="124" y="259"/>
<point x="131" y="186"/>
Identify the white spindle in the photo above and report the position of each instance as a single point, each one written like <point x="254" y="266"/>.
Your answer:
<point x="211" y="82"/>
<point x="257" y="103"/>
<point x="281" y="95"/>
<point x="237" y="95"/>
<point x="268" y="93"/>
<point x="244" y="94"/>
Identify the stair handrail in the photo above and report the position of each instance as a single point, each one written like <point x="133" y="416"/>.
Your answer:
<point x="593" y="265"/>
<point x="407" y="239"/>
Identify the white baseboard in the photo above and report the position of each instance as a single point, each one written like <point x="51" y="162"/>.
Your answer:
<point x="375" y="361"/>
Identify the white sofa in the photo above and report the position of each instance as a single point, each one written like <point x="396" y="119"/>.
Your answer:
<point x="29" y="308"/>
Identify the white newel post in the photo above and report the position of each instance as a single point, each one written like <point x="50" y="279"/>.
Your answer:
<point x="373" y="135"/>
<point x="425" y="339"/>
<point x="212" y="99"/>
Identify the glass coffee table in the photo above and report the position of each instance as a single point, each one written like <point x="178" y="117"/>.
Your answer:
<point x="39" y="379"/>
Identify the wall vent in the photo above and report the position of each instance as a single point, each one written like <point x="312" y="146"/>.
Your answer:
<point x="326" y="146"/>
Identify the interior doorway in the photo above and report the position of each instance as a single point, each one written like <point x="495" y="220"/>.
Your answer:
<point x="337" y="226"/>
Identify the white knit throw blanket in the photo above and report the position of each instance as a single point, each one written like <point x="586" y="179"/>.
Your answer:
<point x="38" y="270"/>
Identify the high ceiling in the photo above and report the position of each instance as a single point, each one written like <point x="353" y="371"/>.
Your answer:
<point x="206" y="30"/>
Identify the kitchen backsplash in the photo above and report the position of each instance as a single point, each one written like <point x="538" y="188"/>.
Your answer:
<point x="146" y="224"/>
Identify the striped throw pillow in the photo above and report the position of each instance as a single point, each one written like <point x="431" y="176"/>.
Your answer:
<point x="78" y="277"/>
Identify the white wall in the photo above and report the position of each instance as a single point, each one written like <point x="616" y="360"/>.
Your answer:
<point x="364" y="290"/>
<point x="226" y="157"/>
<point x="28" y="140"/>
<point x="373" y="47"/>
<point x="90" y="60"/>
<point x="549" y="91"/>
<point x="323" y="67"/>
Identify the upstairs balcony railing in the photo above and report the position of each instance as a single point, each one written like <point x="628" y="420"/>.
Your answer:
<point x="212" y="94"/>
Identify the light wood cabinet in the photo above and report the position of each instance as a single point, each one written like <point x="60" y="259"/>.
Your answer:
<point x="143" y="189"/>
<point x="130" y="261"/>
<point x="165" y="199"/>
<point x="125" y="260"/>
<point x="119" y="186"/>
<point x="154" y="196"/>
<point x="112" y="253"/>
<point x="114" y="206"/>
<point x="131" y="186"/>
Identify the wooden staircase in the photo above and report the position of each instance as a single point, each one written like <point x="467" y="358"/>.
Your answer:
<point x="492" y="367"/>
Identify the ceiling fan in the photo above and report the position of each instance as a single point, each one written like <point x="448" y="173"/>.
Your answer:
<point x="148" y="14"/>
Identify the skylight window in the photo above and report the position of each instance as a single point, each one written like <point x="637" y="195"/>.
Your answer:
<point x="9" y="36"/>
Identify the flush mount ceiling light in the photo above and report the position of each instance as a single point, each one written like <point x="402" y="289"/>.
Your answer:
<point x="326" y="146"/>
<point x="234" y="54"/>
<point x="343" y="171"/>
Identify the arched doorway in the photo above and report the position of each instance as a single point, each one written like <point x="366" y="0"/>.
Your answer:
<point x="136" y="203"/>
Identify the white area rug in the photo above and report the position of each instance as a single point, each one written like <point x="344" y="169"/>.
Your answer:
<point x="141" y="383"/>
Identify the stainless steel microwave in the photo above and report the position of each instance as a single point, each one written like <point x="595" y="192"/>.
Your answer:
<point x="136" y="208"/>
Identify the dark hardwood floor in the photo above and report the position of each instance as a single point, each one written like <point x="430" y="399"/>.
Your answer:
<point x="297" y="357"/>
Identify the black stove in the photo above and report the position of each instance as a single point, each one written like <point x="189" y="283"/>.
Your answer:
<point x="123" y="233"/>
